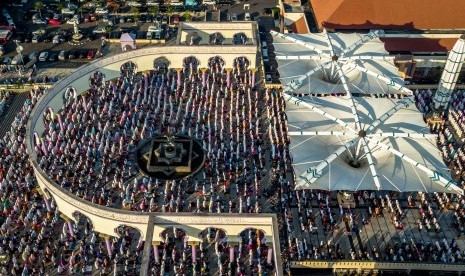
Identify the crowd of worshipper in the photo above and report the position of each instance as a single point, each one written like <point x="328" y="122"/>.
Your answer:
<point x="5" y="97"/>
<point x="34" y="239"/>
<point x="315" y="211"/>
<point x="88" y="149"/>
<point x="450" y="132"/>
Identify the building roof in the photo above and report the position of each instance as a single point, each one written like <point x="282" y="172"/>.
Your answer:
<point x="418" y="45"/>
<point x="393" y="14"/>
<point x="300" y="26"/>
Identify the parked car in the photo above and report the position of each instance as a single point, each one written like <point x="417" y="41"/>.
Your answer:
<point x="53" y="57"/>
<point x="67" y="11"/>
<point x="33" y="55"/>
<point x="234" y="17"/>
<point x="175" y="3"/>
<point x="133" y="4"/>
<point x="101" y="11"/>
<point x="175" y="19"/>
<point x="36" y="38"/>
<point x="91" y="54"/>
<point x="39" y="21"/>
<point x="54" y="22"/>
<point x="209" y="2"/>
<point x="72" y="54"/>
<point x="164" y="20"/>
<point x="152" y="3"/>
<point x="99" y="30"/>
<point x="247" y="17"/>
<point x="122" y="19"/>
<point x="62" y="55"/>
<point x="57" y="16"/>
<point x="43" y="56"/>
<point x="58" y="39"/>
<point x="158" y="18"/>
<point x="76" y="18"/>
<point x="83" y="54"/>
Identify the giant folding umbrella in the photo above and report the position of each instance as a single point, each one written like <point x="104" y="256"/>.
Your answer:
<point x="358" y="143"/>
<point x="313" y="63"/>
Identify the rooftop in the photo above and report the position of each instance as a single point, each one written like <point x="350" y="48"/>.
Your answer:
<point x="394" y="14"/>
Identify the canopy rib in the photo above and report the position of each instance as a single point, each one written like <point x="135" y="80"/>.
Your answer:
<point x="320" y="133"/>
<point x="352" y="102"/>
<point x="303" y="57"/>
<point x="371" y="163"/>
<point x="433" y="175"/>
<point x="313" y="173"/>
<point x="403" y="135"/>
<point x="298" y="101"/>
<point x="344" y="83"/>
<point x="306" y="45"/>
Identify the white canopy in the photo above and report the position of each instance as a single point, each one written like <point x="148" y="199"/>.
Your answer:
<point x="392" y="145"/>
<point x="324" y="63"/>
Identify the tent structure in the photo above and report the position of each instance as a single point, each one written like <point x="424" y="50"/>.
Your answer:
<point x="450" y="74"/>
<point x="322" y="63"/>
<point x="127" y="39"/>
<point x="355" y="139"/>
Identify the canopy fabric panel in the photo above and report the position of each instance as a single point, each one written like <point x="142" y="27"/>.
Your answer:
<point x="394" y="173"/>
<point x="362" y="58"/>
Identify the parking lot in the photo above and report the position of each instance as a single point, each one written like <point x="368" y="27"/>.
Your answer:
<point x="121" y="20"/>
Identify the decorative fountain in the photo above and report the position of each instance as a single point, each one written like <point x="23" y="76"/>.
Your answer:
<point x="170" y="157"/>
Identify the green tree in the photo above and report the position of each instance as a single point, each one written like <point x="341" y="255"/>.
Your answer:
<point x="136" y="14"/>
<point x="60" y="6"/>
<point x="188" y="16"/>
<point x="170" y="11"/>
<point x="38" y="6"/>
<point x="153" y="10"/>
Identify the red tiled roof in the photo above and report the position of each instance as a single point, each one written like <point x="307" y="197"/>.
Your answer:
<point x="418" y="44"/>
<point x="300" y="26"/>
<point x="392" y="14"/>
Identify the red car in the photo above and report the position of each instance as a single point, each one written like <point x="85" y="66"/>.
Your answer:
<point x="91" y="54"/>
<point x="54" y="22"/>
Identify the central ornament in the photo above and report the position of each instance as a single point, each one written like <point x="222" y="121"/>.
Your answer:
<point x="170" y="157"/>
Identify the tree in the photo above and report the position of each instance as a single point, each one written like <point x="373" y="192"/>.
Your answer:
<point x="60" y="6"/>
<point x="170" y="11"/>
<point x="136" y="14"/>
<point x="188" y="16"/>
<point x="38" y="6"/>
<point x="153" y="10"/>
<point x="80" y="10"/>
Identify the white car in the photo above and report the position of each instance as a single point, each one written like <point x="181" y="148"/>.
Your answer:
<point x="39" y="21"/>
<point x="43" y="56"/>
<point x="134" y="4"/>
<point x="76" y="18"/>
<point x="247" y="17"/>
<point x="209" y="2"/>
<point x="67" y="11"/>
<point x="176" y="3"/>
<point x="152" y="3"/>
<point x="101" y="11"/>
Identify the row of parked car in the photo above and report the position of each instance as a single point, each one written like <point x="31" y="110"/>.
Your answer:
<point x="64" y="55"/>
